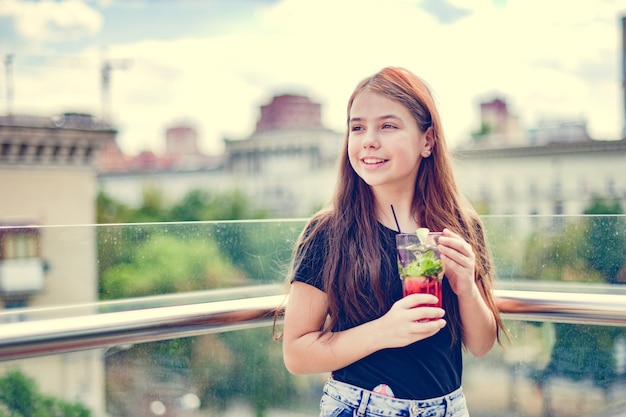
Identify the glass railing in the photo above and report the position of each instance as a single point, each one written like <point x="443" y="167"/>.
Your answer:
<point x="183" y="322"/>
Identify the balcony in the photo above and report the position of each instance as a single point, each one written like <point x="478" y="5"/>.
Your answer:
<point x="183" y="323"/>
<point x="21" y="276"/>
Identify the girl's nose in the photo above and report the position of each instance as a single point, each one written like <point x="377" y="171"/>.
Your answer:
<point x="371" y="140"/>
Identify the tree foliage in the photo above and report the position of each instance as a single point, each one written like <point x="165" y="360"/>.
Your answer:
<point x="202" y="205"/>
<point x="20" y="397"/>
<point x="591" y="249"/>
<point x="247" y="248"/>
<point x="166" y="264"/>
<point x="196" y="205"/>
<point x="604" y="248"/>
<point x="192" y="249"/>
<point x="550" y="256"/>
<point x="250" y="367"/>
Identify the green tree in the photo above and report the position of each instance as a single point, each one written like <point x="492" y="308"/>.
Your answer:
<point x="117" y="244"/>
<point x="582" y="352"/>
<point x="165" y="264"/>
<point x="589" y="250"/>
<point x="109" y="210"/>
<point x="203" y="205"/>
<point x="251" y="368"/>
<point x="550" y="256"/>
<point x="150" y="259"/>
<point x="604" y="248"/>
<point x="20" y="397"/>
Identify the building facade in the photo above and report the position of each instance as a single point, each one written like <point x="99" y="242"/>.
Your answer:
<point x="48" y="178"/>
<point x="287" y="165"/>
<point x="556" y="178"/>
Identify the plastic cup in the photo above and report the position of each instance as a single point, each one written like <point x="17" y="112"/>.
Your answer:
<point x="419" y="265"/>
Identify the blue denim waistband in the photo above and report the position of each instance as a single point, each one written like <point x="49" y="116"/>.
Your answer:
<point x="369" y="403"/>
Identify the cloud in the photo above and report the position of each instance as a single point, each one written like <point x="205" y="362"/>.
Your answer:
<point x="52" y="21"/>
<point x="544" y="58"/>
<point x="445" y="12"/>
<point x="221" y="81"/>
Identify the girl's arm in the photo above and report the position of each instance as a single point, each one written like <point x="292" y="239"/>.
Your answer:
<point x="478" y="321"/>
<point x="306" y="350"/>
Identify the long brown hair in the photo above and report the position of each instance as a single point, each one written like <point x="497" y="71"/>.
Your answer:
<point x="353" y="251"/>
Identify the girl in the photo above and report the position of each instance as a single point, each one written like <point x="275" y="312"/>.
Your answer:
<point x="345" y="313"/>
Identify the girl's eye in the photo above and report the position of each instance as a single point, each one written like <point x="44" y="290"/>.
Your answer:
<point x="388" y="126"/>
<point x="355" y="128"/>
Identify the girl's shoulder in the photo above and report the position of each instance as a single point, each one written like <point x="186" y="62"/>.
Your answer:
<point x="319" y="223"/>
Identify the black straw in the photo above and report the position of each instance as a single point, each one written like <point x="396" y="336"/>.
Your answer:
<point x="396" y="219"/>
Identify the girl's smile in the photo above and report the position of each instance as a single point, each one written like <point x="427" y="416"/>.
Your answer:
<point x="384" y="141"/>
<point x="372" y="163"/>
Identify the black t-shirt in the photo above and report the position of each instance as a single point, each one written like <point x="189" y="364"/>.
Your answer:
<point x="426" y="369"/>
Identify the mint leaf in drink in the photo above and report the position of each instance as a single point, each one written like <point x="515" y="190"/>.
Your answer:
<point x="425" y="265"/>
<point x="413" y="269"/>
<point x="431" y="267"/>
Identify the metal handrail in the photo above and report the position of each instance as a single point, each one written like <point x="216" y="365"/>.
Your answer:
<point x="58" y="335"/>
<point x="563" y="307"/>
<point x="91" y="331"/>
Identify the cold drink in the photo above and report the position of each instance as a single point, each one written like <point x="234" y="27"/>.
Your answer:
<point x="419" y="265"/>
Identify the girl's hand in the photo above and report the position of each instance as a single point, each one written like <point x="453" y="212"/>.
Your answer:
<point x="459" y="262"/>
<point x="406" y="323"/>
<point x="477" y="319"/>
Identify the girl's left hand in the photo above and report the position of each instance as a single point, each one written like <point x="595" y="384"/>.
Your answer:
<point x="459" y="262"/>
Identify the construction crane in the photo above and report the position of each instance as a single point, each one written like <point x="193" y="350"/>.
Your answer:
<point x="106" y="67"/>
<point x="105" y="75"/>
<point x="8" y="67"/>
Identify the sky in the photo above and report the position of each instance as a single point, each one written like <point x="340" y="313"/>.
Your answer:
<point x="213" y="63"/>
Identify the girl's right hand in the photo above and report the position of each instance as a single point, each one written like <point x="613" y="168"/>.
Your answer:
<point x="409" y="321"/>
<point x="307" y="350"/>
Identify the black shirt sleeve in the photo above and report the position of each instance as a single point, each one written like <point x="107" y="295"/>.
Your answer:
<point x="309" y="270"/>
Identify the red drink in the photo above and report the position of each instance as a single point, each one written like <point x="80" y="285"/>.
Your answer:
<point x="422" y="285"/>
<point x="419" y="265"/>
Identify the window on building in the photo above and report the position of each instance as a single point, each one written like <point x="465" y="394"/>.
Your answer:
<point x="6" y="149"/>
<point x="558" y="207"/>
<point x="556" y="189"/>
<point x="610" y="187"/>
<point x="558" y="211"/>
<point x="15" y="303"/>
<point x="39" y="152"/>
<point x="19" y="243"/>
<point x="509" y="190"/>
<point x="533" y="190"/>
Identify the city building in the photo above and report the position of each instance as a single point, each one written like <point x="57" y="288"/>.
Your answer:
<point x="287" y="165"/>
<point x="48" y="178"/>
<point x="552" y="168"/>
<point x="554" y="178"/>
<point x="498" y="126"/>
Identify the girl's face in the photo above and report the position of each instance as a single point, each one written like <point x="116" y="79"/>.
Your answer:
<point x="385" y="146"/>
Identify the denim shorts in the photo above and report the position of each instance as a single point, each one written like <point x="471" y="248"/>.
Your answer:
<point x="345" y="400"/>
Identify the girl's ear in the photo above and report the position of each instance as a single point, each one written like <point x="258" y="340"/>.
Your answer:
<point x="429" y="144"/>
